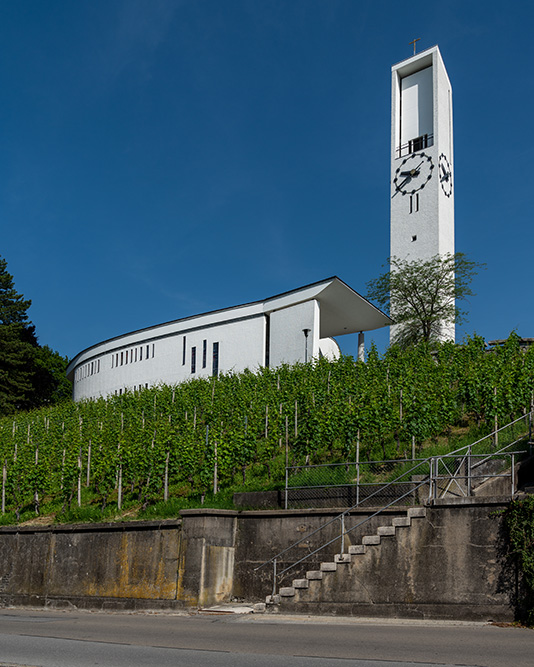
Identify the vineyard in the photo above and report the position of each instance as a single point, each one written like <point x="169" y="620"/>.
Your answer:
<point x="200" y="440"/>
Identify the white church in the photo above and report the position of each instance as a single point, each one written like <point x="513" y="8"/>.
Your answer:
<point x="300" y="325"/>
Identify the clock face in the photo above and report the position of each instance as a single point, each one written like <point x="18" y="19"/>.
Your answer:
<point x="445" y="174"/>
<point x="413" y="174"/>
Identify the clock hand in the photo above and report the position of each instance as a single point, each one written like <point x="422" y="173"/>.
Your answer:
<point x="413" y="172"/>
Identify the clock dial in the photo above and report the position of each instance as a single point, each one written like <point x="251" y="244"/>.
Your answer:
<point x="445" y="174"/>
<point x="413" y="174"/>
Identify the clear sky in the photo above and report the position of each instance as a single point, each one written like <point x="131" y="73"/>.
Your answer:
<point x="162" y="158"/>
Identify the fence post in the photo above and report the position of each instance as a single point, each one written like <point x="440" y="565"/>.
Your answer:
<point x="342" y="534"/>
<point x="287" y="481"/>
<point x="469" y="471"/>
<point x="274" y="577"/>
<point x="512" y="472"/>
<point x="432" y="480"/>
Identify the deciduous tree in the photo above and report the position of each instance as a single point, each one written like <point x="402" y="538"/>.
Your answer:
<point x="421" y="296"/>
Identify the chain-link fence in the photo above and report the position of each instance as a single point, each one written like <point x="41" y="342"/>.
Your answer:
<point x="377" y="483"/>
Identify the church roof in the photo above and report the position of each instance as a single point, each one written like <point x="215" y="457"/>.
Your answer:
<point x="342" y="311"/>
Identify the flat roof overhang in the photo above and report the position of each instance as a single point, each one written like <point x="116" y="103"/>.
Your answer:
<point x="343" y="310"/>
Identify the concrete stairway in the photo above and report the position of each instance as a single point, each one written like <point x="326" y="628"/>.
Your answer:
<point x="310" y="588"/>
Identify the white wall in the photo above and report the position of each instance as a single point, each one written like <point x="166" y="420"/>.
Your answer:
<point x="329" y="349"/>
<point x="416" y="105"/>
<point x="241" y="345"/>
<point x="287" y="339"/>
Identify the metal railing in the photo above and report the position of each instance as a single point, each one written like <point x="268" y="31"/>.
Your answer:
<point x="458" y="473"/>
<point x="415" y="145"/>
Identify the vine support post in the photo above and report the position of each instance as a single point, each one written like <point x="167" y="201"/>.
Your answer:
<point x="119" y="490"/>
<point x="287" y="462"/>
<point x="166" y="481"/>
<point x="79" y="494"/>
<point x="88" y="464"/>
<point x="358" y="468"/>
<point x="496" y="420"/>
<point x="4" y="480"/>
<point x="215" y="471"/>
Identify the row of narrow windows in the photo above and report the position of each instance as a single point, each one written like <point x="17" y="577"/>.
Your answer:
<point x="90" y="368"/>
<point x="136" y="387"/>
<point x="214" y="356"/>
<point x="148" y="351"/>
<point x="133" y="355"/>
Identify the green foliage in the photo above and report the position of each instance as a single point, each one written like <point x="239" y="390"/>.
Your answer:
<point x="519" y="524"/>
<point x="30" y="375"/>
<point x="421" y="295"/>
<point x="158" y="448"/>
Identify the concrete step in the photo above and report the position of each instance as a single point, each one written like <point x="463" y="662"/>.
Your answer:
<point x="400" y="521"/>
<point x="356" y="549"/>
<point x="311" y="575"/>
<point x="416" y="512"/>
<point x="300" y="583"/>
<point x="287" y="592"/>
<point x="386" y="530"/>
<point x="272" y="599"/>
<point x="371" y="539"/>
<point x="342" y="558"/>
<point x="328" y="567"/>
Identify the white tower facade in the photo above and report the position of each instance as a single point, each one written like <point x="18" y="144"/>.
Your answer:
<point x="422" y="193"/>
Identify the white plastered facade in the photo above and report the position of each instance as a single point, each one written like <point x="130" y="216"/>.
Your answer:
<point x="296" y="326"/>
<point x="422" y="222"/>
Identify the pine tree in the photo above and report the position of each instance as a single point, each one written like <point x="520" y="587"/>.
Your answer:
<point x="30" y="375"/>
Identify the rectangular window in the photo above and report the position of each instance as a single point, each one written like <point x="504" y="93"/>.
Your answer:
<point x="140" y="354"/>
<point x="122" y="358"/>
<point x="215" y="361"/>
<point x="183" y="351"/>
<point x="204" y="353"/>
<point x="135" y="359"/>
<point x="193" y="359"/>
<point x="148" y="351"/>
<point x="153" y="350"/>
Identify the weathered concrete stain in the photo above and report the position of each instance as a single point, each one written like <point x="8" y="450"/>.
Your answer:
<point x="447" y="565"/>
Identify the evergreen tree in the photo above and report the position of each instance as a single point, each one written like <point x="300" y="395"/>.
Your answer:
<point x="30" y="375"/>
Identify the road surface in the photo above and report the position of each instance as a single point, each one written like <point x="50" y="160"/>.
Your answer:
<point x="52" y="638"/>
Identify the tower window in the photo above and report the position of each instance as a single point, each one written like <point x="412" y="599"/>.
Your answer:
<point x="414" y="203"/>
<point x="204" y="353"/>
<point x="414" y="238"/>
<point x="183" y="351"/>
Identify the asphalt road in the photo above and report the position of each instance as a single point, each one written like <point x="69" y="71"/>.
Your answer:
<point x="81" y="639"/>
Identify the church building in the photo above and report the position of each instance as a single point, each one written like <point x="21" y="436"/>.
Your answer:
<point x="299" y="325"/>
<point x="295" y="326"/>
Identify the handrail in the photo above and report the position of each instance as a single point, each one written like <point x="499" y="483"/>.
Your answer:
<point x="346" y="532"/>
<point x="430" y="460"/>
<point x="336" y="518"/>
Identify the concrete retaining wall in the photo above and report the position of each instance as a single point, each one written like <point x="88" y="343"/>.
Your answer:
<point x="450" y="566"/>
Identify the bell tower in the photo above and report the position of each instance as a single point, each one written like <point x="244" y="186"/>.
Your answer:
<point x="422" y="174"/>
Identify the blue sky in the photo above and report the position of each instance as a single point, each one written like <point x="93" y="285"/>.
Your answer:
<point x="162" y="158"/>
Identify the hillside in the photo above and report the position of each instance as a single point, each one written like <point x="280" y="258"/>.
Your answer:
<point x="152" y="452"/>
